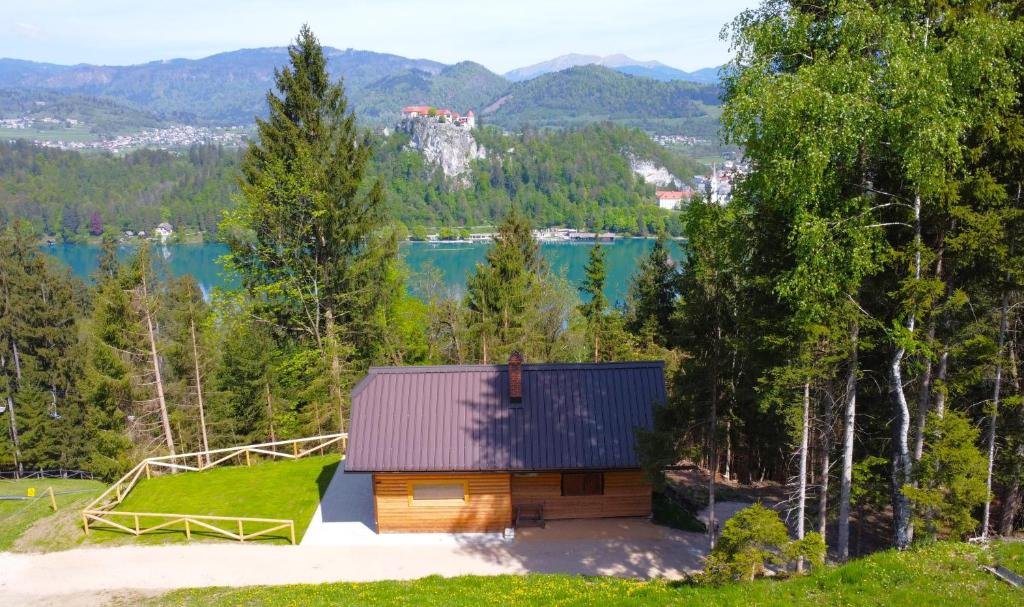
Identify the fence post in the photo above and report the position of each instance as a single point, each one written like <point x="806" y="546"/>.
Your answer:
<point x="292" y="527"/>
<point x="295" y="449"/>
<point x="53" y="499"/>
<point x="247" y="461"/>
<point x="188" y="530"/>
<point x="85" y="522"/>
<point x="147" y="470"/>
<point x="241" y="534"/>
<point x="137" y="526"/>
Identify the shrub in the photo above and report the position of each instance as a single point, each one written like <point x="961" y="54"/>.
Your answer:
<point x="950" y="477"/>
<point x="752" y="540"/>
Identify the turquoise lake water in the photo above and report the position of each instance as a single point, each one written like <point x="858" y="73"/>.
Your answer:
<point x="455" y="261"/>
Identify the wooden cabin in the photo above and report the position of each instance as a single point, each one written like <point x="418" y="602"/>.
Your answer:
<point x="481" y="448"/>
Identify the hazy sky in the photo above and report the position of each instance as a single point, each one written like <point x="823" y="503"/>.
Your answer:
<point x="499" y="34"/>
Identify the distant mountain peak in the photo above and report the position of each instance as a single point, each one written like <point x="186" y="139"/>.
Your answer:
<point x="619" y="62"/>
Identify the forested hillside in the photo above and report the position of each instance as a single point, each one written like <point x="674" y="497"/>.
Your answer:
<point x="68" y="194"/>
<point x="102" y="116"/>
<point x="593" y="93"/>
<point x="461" y="87"/>
<point x="579" y="177"/>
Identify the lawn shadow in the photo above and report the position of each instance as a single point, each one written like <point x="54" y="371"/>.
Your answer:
<point x="323" y="480"/>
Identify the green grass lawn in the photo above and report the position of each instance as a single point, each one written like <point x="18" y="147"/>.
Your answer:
<point x="79" y="133"/>
<point x="279" y="490"/>
<point x="940" y="574"/>
<point x="17" y="516"/>
<point x="1010" y="555"/>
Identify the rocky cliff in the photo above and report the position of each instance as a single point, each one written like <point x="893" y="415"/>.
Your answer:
<point x="444" y="144"/>
<point x="652" y="173"/>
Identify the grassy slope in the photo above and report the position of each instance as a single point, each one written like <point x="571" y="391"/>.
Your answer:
<point x="17" y="516"/>
<point x="281" y="490"/>
<point x="941" y="574"/>
<point x="1010" y="555"/>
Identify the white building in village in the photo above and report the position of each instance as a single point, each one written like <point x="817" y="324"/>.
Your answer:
<point x="164" y="231"/>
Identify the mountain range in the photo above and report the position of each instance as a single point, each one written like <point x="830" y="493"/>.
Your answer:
<point x="230" y="88"/>
<point x="621" y="63"/>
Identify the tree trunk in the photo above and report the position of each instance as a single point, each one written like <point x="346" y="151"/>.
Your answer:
<point x="1012" y="495"/>
<point x="860" y="529"/>
<point x="826" y="447"/>
<point x="728" y="448"/>
<point x="802" y="474"/>
<point x="987" y="511"/>
<point x="199" y="387"/>
<point x="923" y="399"/>
<point x="902" y="465"/>
<point x="849" y="428"/>
<point x="164" y="418"/>
<point x="270" y="413"/>
<point x="335" y="361"/>
<point x="926" y="377"/>
<point x="713" y="465"/>
<point x="940" y="383"/>
<point x="16" y="443"/>
<point x="14" y="438"/>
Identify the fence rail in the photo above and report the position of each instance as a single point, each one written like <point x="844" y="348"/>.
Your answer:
<point x="101" y="510"/>
<point x="11" y="473"/>
<point x="189" y="521"/>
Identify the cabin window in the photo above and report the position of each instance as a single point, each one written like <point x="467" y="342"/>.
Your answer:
<point x="582" y="483"/>
<point x="438" y="493"/>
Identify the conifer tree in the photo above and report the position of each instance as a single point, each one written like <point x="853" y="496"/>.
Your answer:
<point x="38" y="366"/>
<point x="594" y="310"/>
<point x="605" y="331"/>
<point x="106" y="386"/>
<point x="310" y="239"/>
<point x="504" y="295"/>
<point x="186" y="353"/>
<point x="652" y="294"/>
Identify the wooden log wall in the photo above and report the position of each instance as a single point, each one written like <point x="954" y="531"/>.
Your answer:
<point x="487" y="509"/>
<point x="626" y="493"/>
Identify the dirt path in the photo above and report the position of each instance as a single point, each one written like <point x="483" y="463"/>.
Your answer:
<point x="620" y="547"/>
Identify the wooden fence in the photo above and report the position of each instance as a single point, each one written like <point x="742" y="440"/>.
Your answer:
<point x="201" y="521"/>
<point x="101" y="510"/>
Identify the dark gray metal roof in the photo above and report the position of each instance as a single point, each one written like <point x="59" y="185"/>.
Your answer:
<point x="459" y="418"/>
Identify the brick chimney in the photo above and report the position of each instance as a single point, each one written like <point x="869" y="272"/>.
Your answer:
<point x="515" y="377"/>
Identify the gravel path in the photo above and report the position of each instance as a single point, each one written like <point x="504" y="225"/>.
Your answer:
<point x="620" y="547"/>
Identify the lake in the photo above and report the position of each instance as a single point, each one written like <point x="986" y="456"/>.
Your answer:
<point x="454" y="261"/>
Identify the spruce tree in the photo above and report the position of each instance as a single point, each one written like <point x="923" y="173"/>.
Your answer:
<point x="38" y="366"/>
<point x="310" y="239"/>
<point x="652" y="294"/>
<point x="106" y="387"/>
<point x="606" y="336"/>
<point x="505" y="295"/>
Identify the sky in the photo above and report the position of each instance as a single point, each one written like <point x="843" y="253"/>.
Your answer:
<point x="501" y="35"/>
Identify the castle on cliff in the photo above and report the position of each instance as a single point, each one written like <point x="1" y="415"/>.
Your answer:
<point x="441" y="114"/>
